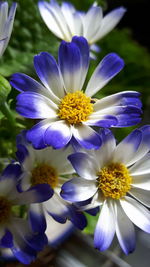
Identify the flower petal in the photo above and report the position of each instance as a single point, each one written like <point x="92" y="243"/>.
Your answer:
<point x="77" y="217"/>
<point x="78" y="189"/>
<point x="49" y="73"/>
<point x="25" y="241"/>
<point x="144" y="146"/>
<point x="104" y="231"/>
<point x="124" y="230"/>
<point x="137" y="213"/>
<point x="6" y="24"/>
<point x="53" y="157"/>
<point x="105" y="121"/>
<point x="126" y="120"/>
<point x="104" y="154"/>
<point x="68" y="11"/>
<point x="86" y="136"/>
<point x="130" y="144"/>
<point x="109" y="22"/>
<point x="7" y="240"/>
<point x="36" y="194"/>
<point x="141" y="181"/>
<point x="141" y="195"/>
<point x="85" y="165"/>
<point x="73" y="59"/>
<point x="37" y="218"/>
<point x="24" y="83"/>
<point x="78" y="25"/>
<point x="35" y="106"/>
<point x="54" y="19"/>
<point x="141" y="167"/>
<point x="36" y="134"/>
<point x="92" y="17"/>
<point x="84" y="51"/>
<point x="109" y="67"/>
<point x="57" y="232"/>
<point x="57" y="208"/>
<point x="58" y="135"/>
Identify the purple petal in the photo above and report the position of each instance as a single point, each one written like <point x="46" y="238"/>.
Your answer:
<point x="35" y="106"/>
<point x="36" y="134"/>
<point x="48" y="72"/>
<point x="37" y="218"/>
<point x="109" y="67"/>
<point x="57" y="135"/>
<point x="84" y="165"/>
<point x="104" y="231"/>
<point x="87" y="137"/>
<point x="78" y="189"/>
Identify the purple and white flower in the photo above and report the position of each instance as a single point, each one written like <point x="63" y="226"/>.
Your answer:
<point x="56" y="233"/>
<point x="117" y="178"/>
<point x="61" y="106"/>
<point x="15" y="232"/>
<point x="65" y="21"/>
<point x="6" y="24"/>
<point x="52" y="167"/>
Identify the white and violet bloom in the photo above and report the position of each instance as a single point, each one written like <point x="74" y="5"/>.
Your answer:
<point x="15" y="232"/>
<point x="51" y="167"/>
<point x="117" y="178"/>
<point x="6" y="24"/>
<point x="64" y="106"/>
<point x="65" y="21"/>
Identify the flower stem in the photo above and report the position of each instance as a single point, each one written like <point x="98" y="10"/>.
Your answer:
<point x="5" y="109"/>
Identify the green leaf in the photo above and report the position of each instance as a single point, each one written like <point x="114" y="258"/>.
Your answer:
<point x="5" y="89"/>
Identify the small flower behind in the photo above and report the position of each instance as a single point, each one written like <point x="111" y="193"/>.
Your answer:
<point x="117" y="178"/>
<point x="64" y="109"/>
<point x="6" y="24"/>
<point x="51" y="167"/>
<point x="65" y="21"/>
<point x="15" y="232"/>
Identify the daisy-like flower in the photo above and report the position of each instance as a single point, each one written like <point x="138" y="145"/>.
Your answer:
<point x="51" y="167"/>
<point x="64" y="109"/>
<point x="118" y="178"/>
<point x="15" y="232"/>
<point x="6" y="24"/>
<point x="65" y="21"/>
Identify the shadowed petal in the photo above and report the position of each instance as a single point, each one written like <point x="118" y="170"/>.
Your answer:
<point x="86" y="136"/>
<point x="124" y="230"/>
<point x="137" y="213"/>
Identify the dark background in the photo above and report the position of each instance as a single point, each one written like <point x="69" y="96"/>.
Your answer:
<point x="137" y="18"/>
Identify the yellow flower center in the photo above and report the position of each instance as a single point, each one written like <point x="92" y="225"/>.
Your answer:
<point x="44" y="174"/>
<point x="5" y="209"/>
<point x="114" y="180"/>
<point x="75" y="107"/>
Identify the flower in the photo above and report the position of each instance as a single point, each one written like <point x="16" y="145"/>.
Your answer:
<point x="118" y="178"/>
<point x="51" y="167"/>
<point x="56" y="234"/>
<point x="65" y="21"/>
<point x="64" y="110"/>
<point x="6" y="24"/>
<point x="15" y="232"/>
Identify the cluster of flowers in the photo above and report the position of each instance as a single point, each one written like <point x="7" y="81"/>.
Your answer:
<point x="65" y="166"/>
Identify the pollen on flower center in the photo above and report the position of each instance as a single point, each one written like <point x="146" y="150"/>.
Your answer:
<point x="114" y="180"/>
<point x="75" y="107"/>
<point x="44" y="174"/>
<point x="5" y="209"/>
